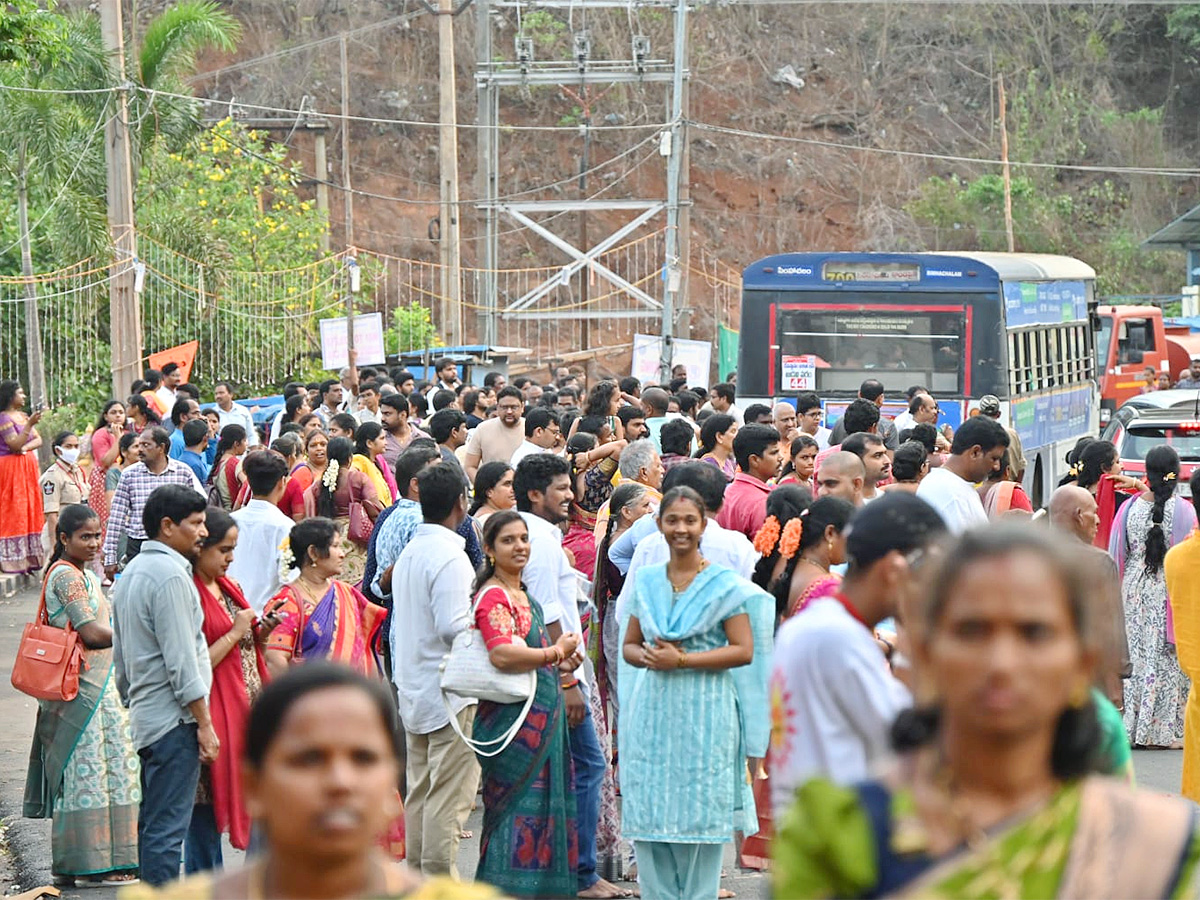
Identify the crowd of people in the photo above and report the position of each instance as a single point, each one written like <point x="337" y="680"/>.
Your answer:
<point x="851" y="648"/>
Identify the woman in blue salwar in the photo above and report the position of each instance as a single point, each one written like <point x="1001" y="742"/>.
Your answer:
<point x="693" y="690"/>
<point x="83" y="771"/>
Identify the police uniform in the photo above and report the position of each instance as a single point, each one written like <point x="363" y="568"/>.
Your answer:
<point x="63" y="484"/>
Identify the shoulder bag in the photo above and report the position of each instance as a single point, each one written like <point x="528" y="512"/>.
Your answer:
<point x="48" y="658"/>
<point x="359" y="529"/>
<point x="467" y="671"/>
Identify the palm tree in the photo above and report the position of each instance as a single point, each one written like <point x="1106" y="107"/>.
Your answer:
<point x="52" y="144"/>
<point x="165" y="57"/>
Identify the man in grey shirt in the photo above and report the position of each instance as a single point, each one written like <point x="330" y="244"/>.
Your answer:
<point x="163" y="674"/>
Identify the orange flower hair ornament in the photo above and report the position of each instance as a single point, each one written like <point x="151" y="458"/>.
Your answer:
<point x="767" y="537"/>
<point x="789" y="541"/>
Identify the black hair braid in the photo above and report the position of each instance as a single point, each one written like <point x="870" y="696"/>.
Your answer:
<point x="1156" y="538"/>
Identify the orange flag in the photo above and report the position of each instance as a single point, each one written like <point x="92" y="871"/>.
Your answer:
<point x="183" y="356"/>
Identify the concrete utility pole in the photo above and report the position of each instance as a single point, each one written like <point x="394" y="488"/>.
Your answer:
<point x="124" y="304"/>
<point x="448" y="221"/>
<point x="322" y="167"/>
<point x="674" y="264"/>
<point x="347" y="192"/>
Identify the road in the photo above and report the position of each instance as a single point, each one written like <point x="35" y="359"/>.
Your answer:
<point x="29" y="840"/>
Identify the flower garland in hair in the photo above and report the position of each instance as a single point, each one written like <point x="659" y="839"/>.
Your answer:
<point x="329" y="479"/>
<point x="767" y="537"/>
<point x="789" y="541"/>
<point x="287" y="562"/>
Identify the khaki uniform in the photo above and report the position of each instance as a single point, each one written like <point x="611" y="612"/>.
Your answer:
<point x="62" y="485"/>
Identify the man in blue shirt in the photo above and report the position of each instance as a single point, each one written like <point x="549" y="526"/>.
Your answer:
<point x="184" y="410"/>
<point x="195" y="440"/>
<point x="163" y="674"/>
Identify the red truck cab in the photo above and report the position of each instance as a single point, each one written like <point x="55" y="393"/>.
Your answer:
<point x="1131" y="340"/>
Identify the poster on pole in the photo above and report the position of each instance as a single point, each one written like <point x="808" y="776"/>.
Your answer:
<point x="368" y="341"/>
<point x="696" y="355"/>
<point x="800" y="373"/>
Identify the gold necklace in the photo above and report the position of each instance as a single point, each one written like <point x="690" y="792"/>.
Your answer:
<point x="680" y="589"/>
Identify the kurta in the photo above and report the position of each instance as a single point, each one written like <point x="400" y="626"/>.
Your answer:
<point x="1182" y="569"/>
<point x="685" y="734"/>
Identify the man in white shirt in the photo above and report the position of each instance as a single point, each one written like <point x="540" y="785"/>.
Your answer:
<point x="837" y="695"/>
<point x="543" y="488"/>
<point x="976" y="452"/>
<point x="721" y="398"/>
<point x="431" y="590"/>
<point x="542" y="432"/>
<point x="262" y="527"/>
<point x="877" y="463"/>
<point x="906" y="420"/>
<point x="808" y="418"/>
<point x="234" y="413"/>
<point x="172" y="377"/>
<point x="368" y="404"/>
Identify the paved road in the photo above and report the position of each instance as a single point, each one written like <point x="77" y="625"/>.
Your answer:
<point x="30" y="839"/>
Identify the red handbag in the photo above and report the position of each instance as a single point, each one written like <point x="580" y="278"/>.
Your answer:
<point x="359" y="528"/>
<point x="48" y="659"/>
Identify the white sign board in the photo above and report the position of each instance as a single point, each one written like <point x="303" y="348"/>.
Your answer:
<point x="368" y="341"/>
<point x="696" y="355"/>
<point x="799" y="373"/>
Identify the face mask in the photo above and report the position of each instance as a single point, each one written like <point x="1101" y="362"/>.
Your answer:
<point x="69" y="456"/>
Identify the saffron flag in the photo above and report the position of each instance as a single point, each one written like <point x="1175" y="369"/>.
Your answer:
<point x="183" y="356"/>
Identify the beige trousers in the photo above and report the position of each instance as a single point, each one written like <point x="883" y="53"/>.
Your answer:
<point x="443" y="776"/>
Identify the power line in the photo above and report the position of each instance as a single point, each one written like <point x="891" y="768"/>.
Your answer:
<point x="942" y="157"/>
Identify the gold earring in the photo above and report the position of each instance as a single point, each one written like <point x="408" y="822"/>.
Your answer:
<point x="491" y="560"/>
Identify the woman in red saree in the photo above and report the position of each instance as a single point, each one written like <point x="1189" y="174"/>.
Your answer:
<point x="1096" y="467"/>
<point x="235" y="641"/>
<point x="21" y="519"/>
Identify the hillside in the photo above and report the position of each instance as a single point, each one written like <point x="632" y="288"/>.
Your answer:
<point x="1100" y="86"/>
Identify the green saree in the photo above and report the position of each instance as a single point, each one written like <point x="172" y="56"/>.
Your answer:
<point x="529" y="846"/>
<point x="1095" y="838"/>
<point x="83" y="771"/>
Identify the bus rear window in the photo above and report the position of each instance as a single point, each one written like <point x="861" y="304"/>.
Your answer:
<point x="894" y="346"/>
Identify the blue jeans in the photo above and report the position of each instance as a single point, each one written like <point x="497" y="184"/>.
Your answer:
<point x="589" y="774"/>
<point x="202" y="849"/>
<point x="170" y="771"/>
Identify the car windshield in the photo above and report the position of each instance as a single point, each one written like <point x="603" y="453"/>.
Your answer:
<point x="1140" y="439"/>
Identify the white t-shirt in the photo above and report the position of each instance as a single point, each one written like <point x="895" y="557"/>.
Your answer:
<point x="837" y="696"/>
<point x="955" y="499"/>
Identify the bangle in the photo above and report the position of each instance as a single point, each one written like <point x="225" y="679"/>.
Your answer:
<point x="567" y="685"/>
<point x="681" y="663"/>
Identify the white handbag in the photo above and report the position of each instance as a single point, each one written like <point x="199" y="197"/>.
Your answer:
<point x="467" y="671"/>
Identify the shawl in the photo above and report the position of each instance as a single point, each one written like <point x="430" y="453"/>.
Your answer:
<point x="229" y="705"/>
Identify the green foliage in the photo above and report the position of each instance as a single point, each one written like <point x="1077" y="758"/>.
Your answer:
<point x="412" y="329"/>
<point x="1183" y="25"/>
<point x="31" y="33"/>
<point x="546" y="30"/>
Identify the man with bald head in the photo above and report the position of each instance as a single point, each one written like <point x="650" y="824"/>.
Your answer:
<point x="784" y="420"/>
<point x="1073" y="511"/>
<point x="842" y="475"/>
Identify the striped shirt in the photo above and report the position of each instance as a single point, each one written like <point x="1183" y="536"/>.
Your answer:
<point x="136" y="485"/>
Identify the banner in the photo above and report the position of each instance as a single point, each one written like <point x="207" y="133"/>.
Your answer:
<point x="183" y="356"/>
<point x="727" y="352"/>
<point x="696" y="355"/>
<point x="368" y="342"/>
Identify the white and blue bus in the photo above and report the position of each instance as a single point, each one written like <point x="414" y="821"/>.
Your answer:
<point x="1019" y="326"/>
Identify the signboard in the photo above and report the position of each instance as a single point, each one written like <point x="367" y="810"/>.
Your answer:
<point x="799" y="373"/>
<point x="1044" y="302"/>
<point x="368" y="341"/>
<point x="951" y="411"/>
<point x="844" y="270"/>
<point x="696" y="355"/>
<point x="1049" y="418"/>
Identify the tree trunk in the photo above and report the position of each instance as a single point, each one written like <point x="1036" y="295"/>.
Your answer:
<point x="33" y="327"/>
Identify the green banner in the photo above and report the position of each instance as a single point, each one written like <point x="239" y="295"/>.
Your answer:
<point x="727" y="351"/>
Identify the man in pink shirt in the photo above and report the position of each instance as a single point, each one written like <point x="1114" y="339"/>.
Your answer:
<point x="756" y="449"/>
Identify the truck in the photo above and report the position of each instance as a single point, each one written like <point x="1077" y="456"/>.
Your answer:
<point x="1132" y="339"/>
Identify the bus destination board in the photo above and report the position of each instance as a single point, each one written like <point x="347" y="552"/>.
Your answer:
<point x="870" y="271"/>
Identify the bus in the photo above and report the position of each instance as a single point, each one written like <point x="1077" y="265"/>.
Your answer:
<point x="1019" y="326"/>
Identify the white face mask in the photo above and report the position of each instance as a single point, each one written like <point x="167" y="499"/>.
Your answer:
<point x="69" y="455"/>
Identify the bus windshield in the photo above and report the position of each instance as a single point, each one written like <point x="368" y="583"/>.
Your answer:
<point x="851" y="345"/>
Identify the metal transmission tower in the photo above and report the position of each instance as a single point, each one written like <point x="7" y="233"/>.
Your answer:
<point x="492" y="78"/>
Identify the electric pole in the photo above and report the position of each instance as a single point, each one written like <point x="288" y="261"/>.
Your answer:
<point x="322" y="167"/>
<point x="124" y="307"/>
<point x="448" y="236"/>
<point x="672" y="242"/>
<point x="347" y="193"/>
